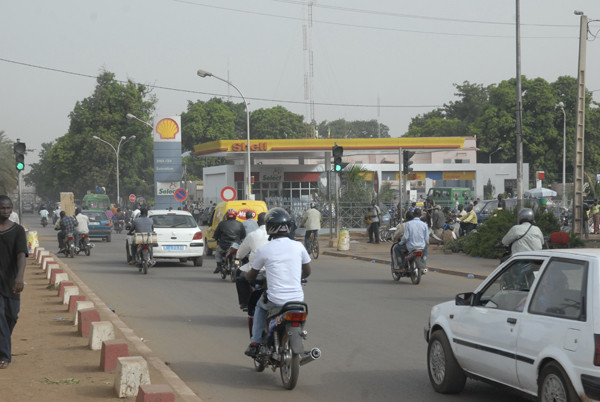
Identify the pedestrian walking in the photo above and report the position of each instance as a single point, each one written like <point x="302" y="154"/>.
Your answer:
<point x="13" y="251"/>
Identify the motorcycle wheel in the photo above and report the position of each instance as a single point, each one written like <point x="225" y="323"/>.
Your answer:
<point x="145" y="261"/>
<point x="415" y="272"/>
<point x="232" y="270"/>
<point x="395" y="275"/>
<point x="224" y="272"/>
<point x="71" y="252"/>
<point x="290" y="364"/>
<point x="87" y="250"/>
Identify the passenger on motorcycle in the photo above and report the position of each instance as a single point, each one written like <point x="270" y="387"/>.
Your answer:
<point x="64" y="225"/>
<point x="250" y="225"/>
<point x="228" y="231"/>
<point x="119" y="218"/>
<point x="251" y="243"/>
<point x="312" y="222"/>
<point x="416" y="235"/>
<point x="524" y="236"/>
<point x="286" y="263"/>
<point x="82" y="225"/>
<point x="142" y="224"/>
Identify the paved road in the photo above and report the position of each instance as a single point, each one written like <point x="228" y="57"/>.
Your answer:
<point x="369" y="328"/>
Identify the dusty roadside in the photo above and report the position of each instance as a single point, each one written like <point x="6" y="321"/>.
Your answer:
<point x="51" y="362"/>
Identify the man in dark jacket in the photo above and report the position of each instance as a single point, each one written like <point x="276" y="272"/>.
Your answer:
<point x="228" y="231"/>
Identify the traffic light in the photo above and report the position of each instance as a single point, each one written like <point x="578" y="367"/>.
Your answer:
<point x="19" y="149"/>
<point x="337" y="152"/>
<point x="407" y="161"/>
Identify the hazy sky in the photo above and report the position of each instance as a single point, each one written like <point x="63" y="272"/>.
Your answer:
<point x="406" y="55"/>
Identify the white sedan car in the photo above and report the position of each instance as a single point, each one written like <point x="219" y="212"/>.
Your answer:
<point x="532" y="325"/>
<point x="179" y="236"/>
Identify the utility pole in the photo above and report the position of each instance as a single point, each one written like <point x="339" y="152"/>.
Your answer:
<point x="580" y="129"/>
<point x="519" y="137"/>
<point x="400" y="182"/>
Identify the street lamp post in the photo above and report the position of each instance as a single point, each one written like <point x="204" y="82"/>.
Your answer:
<point x="202" y="74"/>
<point x="564" y="167"/>
<point x="492" y="153"/>
<point x="130" y="116"/>
<point x="122" y="141"/>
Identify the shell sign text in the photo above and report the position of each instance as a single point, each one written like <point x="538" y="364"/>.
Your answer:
<point x="243" y="146"/>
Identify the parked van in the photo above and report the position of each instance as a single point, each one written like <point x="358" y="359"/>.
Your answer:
<point x="96" y="202"/>
<point x="241" y="207"/>
<point x="448" y="196"/>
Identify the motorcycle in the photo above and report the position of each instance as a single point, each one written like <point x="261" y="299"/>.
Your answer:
<point x="144" y="243"/>
<point x="84" y="244"/>
<point x="69" y="250"/>
<point x="283" y="345"/>
<point x="413" y="265"/>
<point x="118" y="225"/>
<point x="44" y="221"/>
<point x="230" y="263"/>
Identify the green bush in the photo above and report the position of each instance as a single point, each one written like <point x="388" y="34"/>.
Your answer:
<point x="483" y="242"/>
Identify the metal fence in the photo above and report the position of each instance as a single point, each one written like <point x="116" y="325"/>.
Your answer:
<point x="352" y="214"/>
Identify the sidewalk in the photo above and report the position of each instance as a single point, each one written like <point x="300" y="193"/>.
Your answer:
<point x="52" y="362"/>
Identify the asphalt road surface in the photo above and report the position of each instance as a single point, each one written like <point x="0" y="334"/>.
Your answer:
<point x="368" y="327"/>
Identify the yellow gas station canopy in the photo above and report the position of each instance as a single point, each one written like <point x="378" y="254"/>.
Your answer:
<point x="316" y="147"/>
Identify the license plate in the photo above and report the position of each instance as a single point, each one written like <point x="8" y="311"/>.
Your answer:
<point x="175" y="248"/>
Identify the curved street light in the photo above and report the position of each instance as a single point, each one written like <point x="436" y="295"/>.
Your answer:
<point x="202" y="74"/>
<point x="492" y="153"/>
<point x="130" y="116"/>
<point x="122" y="141"/>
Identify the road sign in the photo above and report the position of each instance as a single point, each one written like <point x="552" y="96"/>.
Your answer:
<point x="180" y="194"/>
<point x="132" y="197"/>
<point x="228" y="194"/>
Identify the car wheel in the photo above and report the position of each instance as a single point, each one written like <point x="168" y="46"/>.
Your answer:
<point x="209" y="251"/>
<point x="108" y="239"/>
<point x="198" y="261"/>
<point x="445" y="374"/>
<point x="183" y="260"/>
<point x="554" y="385"/>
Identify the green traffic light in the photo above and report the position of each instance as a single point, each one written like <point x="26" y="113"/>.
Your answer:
<point x="20" y="166"/>
<point x="338" y="168"/>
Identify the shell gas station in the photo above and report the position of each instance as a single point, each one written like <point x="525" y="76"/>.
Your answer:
<point x="294" y="169"/>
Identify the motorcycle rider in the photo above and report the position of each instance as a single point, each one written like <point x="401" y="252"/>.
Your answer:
<point x="119" y="218"/>
<point x="524" y="236"/>
<point x="312" y="222"/>
<point x="142" y="224"/>
<point x="251" y="243"/>
<point x="64" y="225"/>
<point x="228" y="231"/>
<point x="82" y="225"/>
<point x="286" y="263"/>
<point x="416" y="236"/>
<point x="469" y="221"/>
<point x="44" y="214"/>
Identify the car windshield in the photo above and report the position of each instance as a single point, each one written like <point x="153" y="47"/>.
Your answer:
<point x="173" y="221"/>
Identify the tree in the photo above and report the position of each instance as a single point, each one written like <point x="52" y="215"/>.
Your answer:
<point x="8" y="173"/>
<point x="276" y="122"/>
<point x="354" y="187"/>
<point x="353" y="129"/>
<point x="77" y="163"/>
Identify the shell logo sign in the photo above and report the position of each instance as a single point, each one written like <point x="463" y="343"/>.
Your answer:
<point x="167" y="129"/>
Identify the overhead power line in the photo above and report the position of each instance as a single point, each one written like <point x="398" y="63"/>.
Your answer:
<point x="378" y="28"/>
<point x="57" y="70"/>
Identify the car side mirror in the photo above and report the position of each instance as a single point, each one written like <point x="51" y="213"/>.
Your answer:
<point x="464" y="299"/>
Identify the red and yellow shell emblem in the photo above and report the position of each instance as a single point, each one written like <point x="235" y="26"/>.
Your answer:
<point x="167" y="128"/>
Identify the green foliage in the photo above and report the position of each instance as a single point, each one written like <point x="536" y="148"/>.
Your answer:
<point x="354" y="187"/>
<point x="386" y="193"/>
<point x="77" y="163"/>
<point x="456" y="246"/>
<point x="483" y="242"/>
<point x="489" y="112"/>
<point x="547" y="222"/>
<point x="8" y="173"/>
<point x="353" y="129"/>
<point x="576" y="241"/>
